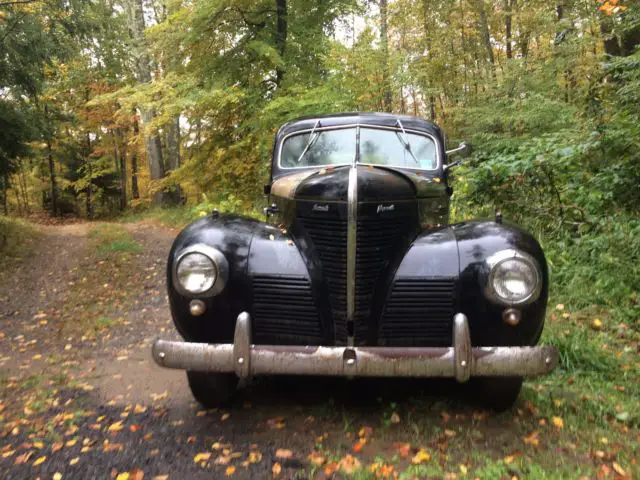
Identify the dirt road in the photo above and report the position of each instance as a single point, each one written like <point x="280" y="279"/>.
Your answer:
<point x="81" y="398"/>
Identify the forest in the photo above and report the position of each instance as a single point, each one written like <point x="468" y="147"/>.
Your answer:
<point x="159" y="111"/>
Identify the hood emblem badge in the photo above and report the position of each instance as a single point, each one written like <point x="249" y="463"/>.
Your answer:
<point x="385" y="208"/>
<point x="320" y="208"/>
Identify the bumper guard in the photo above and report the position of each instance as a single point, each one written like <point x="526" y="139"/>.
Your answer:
<point x="460" y="361"/>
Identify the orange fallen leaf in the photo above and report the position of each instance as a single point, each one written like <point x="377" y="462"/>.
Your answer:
<point x="349" y="464"/>
<point x="230" y="470"/>
<point x="330" y="468"/>
<point x="284" y="453"/>
<point x="365" y="431"/>
<point x="276" y="469"/>
<point x="532" y="439"/>
<point x="357" y="447"/>
<point x="316" y="458"/>
<point x="137" y="474"/>
<point x="56" y="446"/>
<point x="403" y="449"/>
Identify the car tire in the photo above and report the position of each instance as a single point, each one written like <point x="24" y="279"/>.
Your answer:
<point x="212" y="389"/>
<point x="496" y="393"/>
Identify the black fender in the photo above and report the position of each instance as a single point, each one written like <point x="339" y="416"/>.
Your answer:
<point x="459" y="252"/>
<point x="232" y="235"/>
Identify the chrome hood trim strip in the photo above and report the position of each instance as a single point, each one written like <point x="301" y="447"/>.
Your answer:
<point x="352" y="230"/>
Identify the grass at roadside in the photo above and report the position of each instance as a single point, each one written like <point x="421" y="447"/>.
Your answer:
<point x="110" y="238"/>
<point x="17" y="238"/>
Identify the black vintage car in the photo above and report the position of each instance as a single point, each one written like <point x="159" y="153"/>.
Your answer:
<point x="357" y="272"/>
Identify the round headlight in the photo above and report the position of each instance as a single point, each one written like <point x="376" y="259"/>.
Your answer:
<point x="196" y="273"/>
<point x="514" y="279"/>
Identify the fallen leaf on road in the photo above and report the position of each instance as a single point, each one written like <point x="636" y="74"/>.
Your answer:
<point x="202" y="457"/>
<point x="276" y="469"/>
<point x="284" y="453"/>
<point x="137" y="474"/>
<point x="395" y="418"/>
<point x="330" y="469"/>
<point x="116" y="427"/>
<point x="357" y="447"/>
<point x="532" y="439"/>
<point x="619" y="470"/>
<point x="403" y="449"/>
<point x="225" y="416"/>
<point x="39" y="461"/>
<point x="255" y="457"/>
<point x="230" y="471"/>
<point x="123" y="476"/>
<point x="349" y="464"/>
<point x="316" y="458"/>
<point x="421" y="456"/>
<point x="57" y="476"/>
<point x="557" y="422"/>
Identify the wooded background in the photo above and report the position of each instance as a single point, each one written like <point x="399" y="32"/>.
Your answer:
<point x="109" y="103"/>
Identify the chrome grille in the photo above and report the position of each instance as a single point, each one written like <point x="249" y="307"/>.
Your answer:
<point x="284" y="311"/>
<point x="419" y="312"/>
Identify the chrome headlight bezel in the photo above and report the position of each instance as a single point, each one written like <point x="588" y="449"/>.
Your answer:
<point x="219" y="261"/>
<point x="497" y="259"/>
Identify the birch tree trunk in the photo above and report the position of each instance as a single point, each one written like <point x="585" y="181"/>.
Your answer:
<point x="153" y="144"/>
<point x="384" y="45"/>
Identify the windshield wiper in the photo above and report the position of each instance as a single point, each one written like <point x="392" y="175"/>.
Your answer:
<point x="405" y="141"/>
<point x="313" y="136"/>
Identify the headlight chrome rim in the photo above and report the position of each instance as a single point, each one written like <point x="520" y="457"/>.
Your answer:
<point x="219" y="261"/>
<point x="497" y="259"/>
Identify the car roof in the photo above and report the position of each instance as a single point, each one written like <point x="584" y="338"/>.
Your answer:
<point x="367" y="118"/>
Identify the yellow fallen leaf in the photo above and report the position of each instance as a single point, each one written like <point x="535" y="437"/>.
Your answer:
<point x="463" y="469"/>
<point x="255" y="457"/>
<point x="276" y="469"/>
<point x="123" y="476"/>
<point x="225" y="416"/>
<point x="596" y="324"/>
<point x="449" y="433"/>
<point x="57" y="476"/>
<point x="139" y="409"/>
<point x="557" y="422"/>
<point x="619" y="470"/>
<point x="509" y="459"/>
<point x="421" y="456"/>
<point x="116" y="427"/>
<point x="230" y="470"/>
<point x="38" y="444"/>
<point x="560" y="306"/>
<point x="39" y="461"/>
<point x="202" y="457"/>
<point x="73" y="461"/>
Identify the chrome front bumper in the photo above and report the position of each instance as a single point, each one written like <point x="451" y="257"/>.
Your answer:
<point x="460" y="361"/>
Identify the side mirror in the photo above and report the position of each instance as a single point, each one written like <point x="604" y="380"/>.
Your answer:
<point x="462" y="151"/>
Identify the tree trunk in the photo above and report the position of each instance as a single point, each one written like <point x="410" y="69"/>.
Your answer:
<point x="90" y="176"/>
<point x="172" y="130"/>
<point x="143" y="73"/>
<point x="5" y="192"/>
<point x="135" y="193"/>
<point x="281" y="36"/>
<point x="123" y="171"/>
<point x="508" y="5"/>
<point x="387" y="99"/>
<point x="52" y="179"/>
<point x="484" y="31"/>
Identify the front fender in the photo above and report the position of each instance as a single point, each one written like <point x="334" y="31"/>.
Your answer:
<point x="232" y="235"/>
<point x="456" y="256"/>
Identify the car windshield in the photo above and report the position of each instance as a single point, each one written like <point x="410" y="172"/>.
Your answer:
<point x="377" y="147"/>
